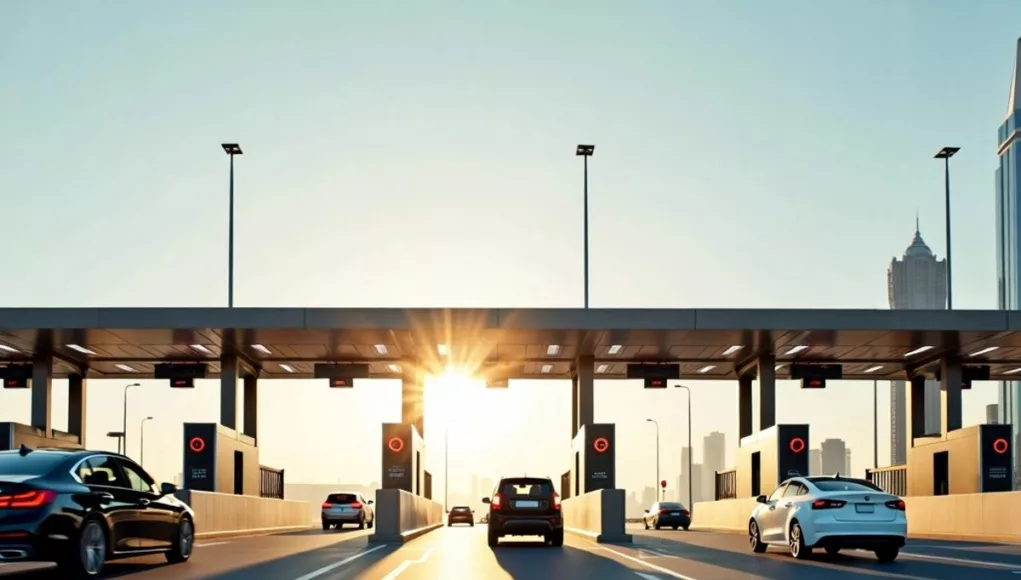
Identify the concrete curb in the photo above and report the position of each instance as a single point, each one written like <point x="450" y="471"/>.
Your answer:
<point x="403" y="537"/>
<point x="252" y="532"/>
<point x="602" y="538"/>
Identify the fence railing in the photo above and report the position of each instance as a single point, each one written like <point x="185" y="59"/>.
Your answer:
<point x="726" y="484"/>
<point x="271" y="482"/>
<point x="892" y="479"/>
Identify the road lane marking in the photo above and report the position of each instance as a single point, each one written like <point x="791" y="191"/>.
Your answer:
<point x="650" y="565"/>
<point x="207" y="544"/>
<point x="647" y="576"/>
<point x="335" y="565"/>
<point x="962" y="561"/>
<point x="646" y="553"/>
<point x="407" y="564"/>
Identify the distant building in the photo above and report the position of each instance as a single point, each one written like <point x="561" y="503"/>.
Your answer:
<point x="992" y="414"/>
<point x="918" y="281"/>
<point x="698" y="492"/>
<point x="815" y="462"/>
<point x="834" y="456"/>
<point x="714" y="458"/>
<point x="682" y="479"/>
<point x="847" y="463"/>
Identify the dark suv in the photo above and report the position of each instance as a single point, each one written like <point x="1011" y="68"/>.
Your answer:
<point x="525" y="506"/>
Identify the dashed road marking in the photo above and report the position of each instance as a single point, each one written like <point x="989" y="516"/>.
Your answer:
<point x="335" y="565"/>
<point x="962" y="561"/>
<point x="207" y="544"/>
<point x="647" y="576"/>
<point x="407" y="564"/>
<point x="650" y="565"/>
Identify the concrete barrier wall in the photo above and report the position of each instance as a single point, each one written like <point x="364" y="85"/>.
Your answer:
<point x="402" y="516"/>
<point x="221" y="514"/>
<point x="598" y="515"/>
<point x="973" y="516"/>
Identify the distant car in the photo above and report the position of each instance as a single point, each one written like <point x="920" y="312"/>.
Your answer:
<point x="484" y="519"/>
<point x="461" y="515"/>
<point x="347" y="508"/>
<point x="525" y="506"/>
<point x="667" y="514"/>
<point x="82" y="508"/>
<point x="833" y="513"/>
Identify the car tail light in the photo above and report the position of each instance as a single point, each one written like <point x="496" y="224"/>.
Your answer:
<point x="827" y="504"/>
<point x="897" y="504"/>
<point x="327" y="505"/>
<point x="357" y="505"/>
<point x="556" y="501"/>
<point x="495" y="502"/>
<point x="28" y="499"/>
<point x="685" y="513"/>
<point x="664" y="512"/>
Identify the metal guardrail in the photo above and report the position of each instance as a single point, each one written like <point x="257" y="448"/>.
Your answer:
<point x="892" y="479"/>
<point x="271" y="482"/>
<point x="726" y="484"/>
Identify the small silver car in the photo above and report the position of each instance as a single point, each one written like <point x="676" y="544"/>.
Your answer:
<point x="347" y="508"/>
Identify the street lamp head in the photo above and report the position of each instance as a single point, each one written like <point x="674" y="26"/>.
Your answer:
<point x="115" y="434"/>
<point x="231" y="148"/>
<point x="586" y="150"/>
<point x="148" y="419"/>
<point x="946" y="152"/>
<point x="134" y="385"/>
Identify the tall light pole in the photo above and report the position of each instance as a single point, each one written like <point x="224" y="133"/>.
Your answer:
<point x="657" y="455"/>
<point x="586" y="151"/>
<point x="231" y="149"/>
<point x="124" y="422"/>
<point x="691" y="506"/>
<point x="875" y="424"/>
<point x="141" y="441"/>
<point x="945" y="154"/>
<point x="446" y="469"/>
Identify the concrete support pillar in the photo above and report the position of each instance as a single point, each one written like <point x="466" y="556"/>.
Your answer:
<point x="583" y="393"/>
<point x="229" y="370"/>
<point x="744" y="407"/>
<point x="951" y="378"/>
<point x="42" y="393"/>
<point x="76" y="407"/>
<point x="251" y="428"/>
<point x="412" y="396"/>
<point x="915" y="415"/>
<point x="766" y="364"/>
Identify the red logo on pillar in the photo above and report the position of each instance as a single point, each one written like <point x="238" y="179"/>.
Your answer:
<point x="797" y="445"/>
<point x="197" y="444"/>
<point x="1000" y="445"/>
<point x="395" y="444"/>
<point x="601" y="445"/>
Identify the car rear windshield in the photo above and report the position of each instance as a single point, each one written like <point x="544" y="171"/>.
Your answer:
<point x="843" y="485"/>
<point x="460" y="509"/>
<point x="35" y="463"/>
<point x="671" y="506"/>
<point x="342" y="498"/>
<point x="527" y="488"/>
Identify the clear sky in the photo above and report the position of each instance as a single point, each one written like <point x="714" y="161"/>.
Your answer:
<point x="422" y="153"/>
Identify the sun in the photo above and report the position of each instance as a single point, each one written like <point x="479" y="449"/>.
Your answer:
<point x="451" y="395"/>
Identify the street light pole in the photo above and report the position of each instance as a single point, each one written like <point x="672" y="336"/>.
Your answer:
<point x="875" y="424"/>
<point x="691" y="506"/>
<point x="945" y="154"/>
<point x="586" y="151"/>
<point x="141" y="441"/>
<point x="658" y="486"/>
<point x="124" y="422"/>
<point x="231" y="149"/>
<point x="446" y="469"/>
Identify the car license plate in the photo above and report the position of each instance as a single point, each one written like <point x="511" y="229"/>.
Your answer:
<point x="526" y="504"/>
<point x="864" y="508"/>
<point x="675" y="513"/>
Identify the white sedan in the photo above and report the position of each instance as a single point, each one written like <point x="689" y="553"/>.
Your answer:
<point x="831" y="513"/>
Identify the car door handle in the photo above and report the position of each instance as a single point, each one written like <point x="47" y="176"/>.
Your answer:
<point x="104" y="497"/>
<point x="788" y="504"/>
<point x="144" y="502"/>
<point x="772" y="507"/>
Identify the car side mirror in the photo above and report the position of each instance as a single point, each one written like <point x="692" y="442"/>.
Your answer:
<point x="761" y="499"/>
<point x="370" y="502"/>
<point x="485" y="500"/>
<point x="473" y="511"/>
<point x="646" y="511"/>
<point x="168" y="488"/>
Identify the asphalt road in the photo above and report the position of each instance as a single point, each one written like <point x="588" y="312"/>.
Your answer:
<point x="462" y="552"/>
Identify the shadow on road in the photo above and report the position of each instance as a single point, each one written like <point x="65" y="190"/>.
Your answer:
<point x="528" y="560"/>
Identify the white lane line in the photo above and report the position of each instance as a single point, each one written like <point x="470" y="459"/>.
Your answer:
<point x="207" y="544"/>
<point x="962" y="561"/>
<point x="335" y="565"/>
<point x="654" y="554"/>
<point x="647" y="576"/>
<point x="407" y="564"/>
<point x="651" y="566"/>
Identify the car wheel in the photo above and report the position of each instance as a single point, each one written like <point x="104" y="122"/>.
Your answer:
<point x="88" y="557"/>
<point x="685" y="528"/>
<point x="675" y="527"/>
<point x="372" y="522"/>
<point x="796" y="541"/>
<point x="832" y="550"/>
<point x="361" y="523"/>
<point x="326" y="525"/>
<point x="184" y="542"/>
<point x="557" y="539"/>
<point x="494" y="538"/>
<point x="646" y="522"/>
<point x="887" y="554"/>
<point x="754" y="539"/>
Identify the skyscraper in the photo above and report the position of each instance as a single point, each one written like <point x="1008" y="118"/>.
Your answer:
<point x="992" y="414"/>
<point x="714" y="458"/>
<point x="834" y="456"/>
<point x="682" y="480"/>
<point x="916" y="281"/>
<point x="1008" y="237"/>
<point x="815" y="462"/>
<point x="847" y="463"/>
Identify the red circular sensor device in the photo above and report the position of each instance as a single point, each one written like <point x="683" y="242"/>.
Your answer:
<point x="601" y="444"/>
<point x="1001" y="446"/>
<point x="395" y="444"/>
<point x="197" y="444"/>
<point x="797" y="445"/>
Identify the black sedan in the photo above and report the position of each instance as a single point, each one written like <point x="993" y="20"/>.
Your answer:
<point x="667" y="514"/>
<point x="82" y="508"/>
